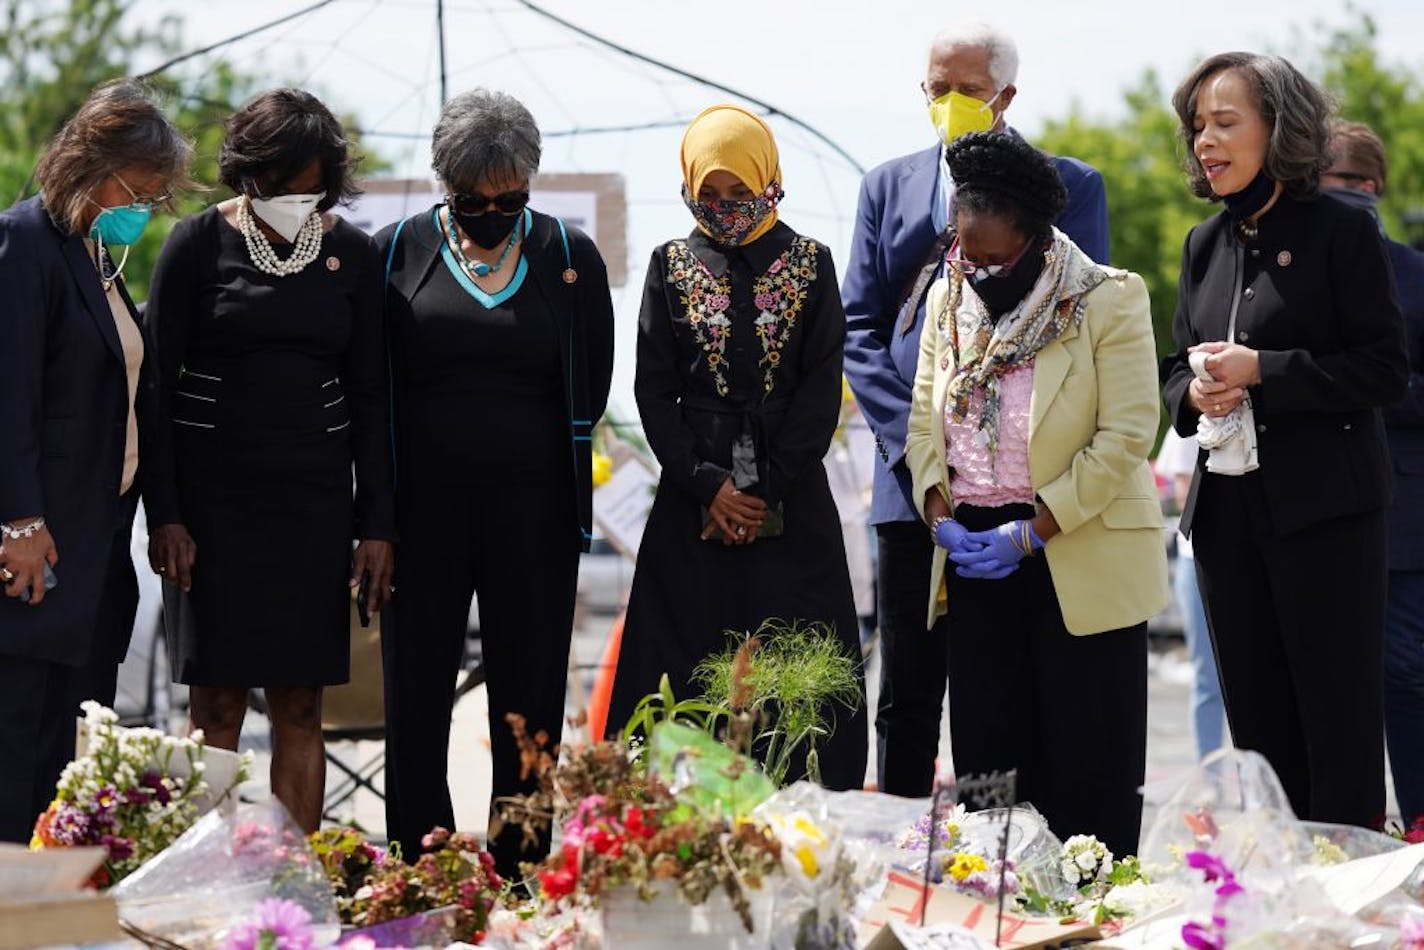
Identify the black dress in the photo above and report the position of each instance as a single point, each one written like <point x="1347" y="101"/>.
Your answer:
<point x="274" y="387"/>
<point x="747" y="340"/>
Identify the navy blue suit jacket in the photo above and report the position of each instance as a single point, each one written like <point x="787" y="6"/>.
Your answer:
<point x="64" y="395"/>
<point x="1404" y="423"/>
<point x="893" y="234"/>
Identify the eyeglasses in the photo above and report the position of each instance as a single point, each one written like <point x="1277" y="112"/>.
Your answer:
<point x="508" y="202"/>
<point x="142" y="204"/>
<point x="976" y="271"/>
<point x="1347" y="176"/>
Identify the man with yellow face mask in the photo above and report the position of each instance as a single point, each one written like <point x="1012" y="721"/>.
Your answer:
<point x="897" y="249"/>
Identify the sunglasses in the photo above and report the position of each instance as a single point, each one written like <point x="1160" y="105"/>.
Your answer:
<point x="976" y="271"/>
<point x="1347" y="176"/>
<point x="508" y="202"/>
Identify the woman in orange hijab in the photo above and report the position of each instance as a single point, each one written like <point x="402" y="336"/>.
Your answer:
<point x="739" y="386"/>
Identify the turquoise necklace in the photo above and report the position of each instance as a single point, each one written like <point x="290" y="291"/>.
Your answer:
<point x="479" y="268"/>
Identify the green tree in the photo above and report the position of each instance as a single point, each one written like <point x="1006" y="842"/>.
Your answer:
<point x="1150" y="209"/>
<point x="1140" y="155"/>
<point x="54" y="52"/>
<point x="1389" y="98"/>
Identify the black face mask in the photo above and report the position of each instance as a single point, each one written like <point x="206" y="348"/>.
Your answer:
<point x="1003" y="292"/>
<point x="488" y="230"/>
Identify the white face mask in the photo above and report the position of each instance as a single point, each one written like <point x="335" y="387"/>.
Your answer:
<point x="286" y="214"/>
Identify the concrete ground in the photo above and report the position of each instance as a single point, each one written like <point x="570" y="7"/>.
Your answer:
<point x="1170" y="749"/>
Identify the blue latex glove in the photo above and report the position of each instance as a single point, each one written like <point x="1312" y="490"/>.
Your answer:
<point x="953" y="537"/>
<point x="999" y="551"/>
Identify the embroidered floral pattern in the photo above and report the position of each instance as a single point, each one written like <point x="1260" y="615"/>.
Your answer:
<point x="707" y="300"/>
<point x="779" y="295"/>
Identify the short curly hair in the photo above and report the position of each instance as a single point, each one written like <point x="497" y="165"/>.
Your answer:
<point x="999" y="174"/>
<point x="1296" y="109"/>
<point x="271" y="139"/>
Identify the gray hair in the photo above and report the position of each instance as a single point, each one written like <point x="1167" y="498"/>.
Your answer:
<point x="483" y="134"/>
<point x="1003" y="54"/>
<point x="119" y="126"/>
<point x="1297" y="111"/>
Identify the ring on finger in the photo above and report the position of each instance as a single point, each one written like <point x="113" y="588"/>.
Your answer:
<point x="6" y="575"/>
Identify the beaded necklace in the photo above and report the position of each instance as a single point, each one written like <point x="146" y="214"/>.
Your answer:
<point x="304" y="251"/>
<point x="479" y="268"/>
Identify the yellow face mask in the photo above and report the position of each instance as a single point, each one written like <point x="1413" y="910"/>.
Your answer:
<point x="955" y="114"/>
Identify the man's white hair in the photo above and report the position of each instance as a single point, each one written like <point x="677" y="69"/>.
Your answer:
<point x="1003" y="54"/>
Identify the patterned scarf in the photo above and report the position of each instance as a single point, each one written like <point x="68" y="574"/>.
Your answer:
<point x="986" y="348"/>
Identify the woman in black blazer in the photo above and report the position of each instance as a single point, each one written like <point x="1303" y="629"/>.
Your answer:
<point x="1287" y="309"/>
<point x="75" y="393"/>
<point x="501" y="336"/>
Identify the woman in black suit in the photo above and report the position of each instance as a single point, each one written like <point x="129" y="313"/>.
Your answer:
<point x="1290" y="340"/>
<point x="74" y="391"/>
<point x="501" y="331"/>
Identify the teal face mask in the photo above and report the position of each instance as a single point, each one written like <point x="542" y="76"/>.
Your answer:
<point x="122" y="225"/>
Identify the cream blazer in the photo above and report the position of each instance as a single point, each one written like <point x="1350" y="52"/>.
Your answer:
<point x="1093" y="420"/>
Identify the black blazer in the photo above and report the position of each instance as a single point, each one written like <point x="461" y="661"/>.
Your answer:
<point x="583" y="308"/>
<point x="1316" y="299"/>
<point x="64" y="398"/>
<point x="1404" y="421"/>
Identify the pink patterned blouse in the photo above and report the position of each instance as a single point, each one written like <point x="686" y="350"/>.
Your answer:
<point x="975" y="478"/>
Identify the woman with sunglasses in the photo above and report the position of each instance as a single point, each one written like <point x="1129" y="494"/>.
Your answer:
<point x="740" y="340"/>
<point x="75" y="391"/>
<point x="501" y="329"/>
<point x="1034" y="409"/>
<point x="268" y="319"/>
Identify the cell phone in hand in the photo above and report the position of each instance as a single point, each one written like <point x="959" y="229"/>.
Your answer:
<point x="362" y="591"/>
<point x="50" y="582"/>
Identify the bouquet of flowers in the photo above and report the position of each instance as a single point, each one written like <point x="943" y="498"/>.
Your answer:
<point x="374" y="886"/>
<point x="133" y="791"/>
<point x="622" y="826"/>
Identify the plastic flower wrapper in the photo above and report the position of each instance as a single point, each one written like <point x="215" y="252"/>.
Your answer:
<point x="213" y="878"/>
<point x="1035" y="854"/>
<point x="1336" y="844"/>
<point x="1233" y="806"/>
<point x="836" y="850"/>
<point x="699" y="769"/>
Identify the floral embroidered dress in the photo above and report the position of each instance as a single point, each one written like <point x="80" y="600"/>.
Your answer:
<point x="739" y="376"/>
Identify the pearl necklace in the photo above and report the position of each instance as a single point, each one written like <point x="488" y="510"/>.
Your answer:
<point x="308" y="243"/>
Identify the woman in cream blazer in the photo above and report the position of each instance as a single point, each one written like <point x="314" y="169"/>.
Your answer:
<point x="1034" y="410"/>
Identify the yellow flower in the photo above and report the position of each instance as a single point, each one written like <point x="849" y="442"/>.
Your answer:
<point x="602" y="469"/>
<point x="964" y="865"/>
<point x="807" y="857"/>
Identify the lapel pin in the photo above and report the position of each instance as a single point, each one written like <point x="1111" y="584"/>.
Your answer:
<point x="333" y="263"/>
<point x="1283" y="258"/>
<point x="570" y="275"/>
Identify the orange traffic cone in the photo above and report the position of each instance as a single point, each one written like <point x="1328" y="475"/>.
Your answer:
<point x="603" y="683"/>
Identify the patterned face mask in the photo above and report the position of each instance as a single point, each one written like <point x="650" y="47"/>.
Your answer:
<point x="729" y="222"/>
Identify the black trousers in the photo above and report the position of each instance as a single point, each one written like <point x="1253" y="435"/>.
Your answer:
<point x="39" y="700"/>
<point x="1297" y="624"/>
<point x="521" y="560"/>
<point x="913" y="662"/>
<point x="1068" y="712"/>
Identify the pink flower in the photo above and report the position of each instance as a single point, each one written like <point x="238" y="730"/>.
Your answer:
<point x="276" y="924"/>
<point x="1212" y="867"/>
<point x="1199" y="937"/>
<point x="1411" y="932"/>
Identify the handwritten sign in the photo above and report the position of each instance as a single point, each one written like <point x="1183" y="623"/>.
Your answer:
<point x="906" y="899"/>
